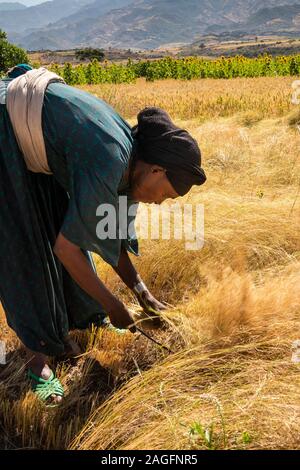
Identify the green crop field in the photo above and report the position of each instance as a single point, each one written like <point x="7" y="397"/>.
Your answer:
<point x="183" y="69"/>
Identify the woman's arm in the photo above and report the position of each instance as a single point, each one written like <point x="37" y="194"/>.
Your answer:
<point x="81" y="271"/>
<point x="127" y="272"/>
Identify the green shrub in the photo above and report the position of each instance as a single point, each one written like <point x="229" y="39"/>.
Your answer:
<point x="10" y="55"/>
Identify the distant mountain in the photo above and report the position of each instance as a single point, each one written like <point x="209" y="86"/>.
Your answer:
<point x="276" y="18"/>
<point x="65" y="32"/>
<point x="23" y="20"/>
<point x="96" y="8"/>
<point x="147" y="24"/>
<point x="11" y="6"/>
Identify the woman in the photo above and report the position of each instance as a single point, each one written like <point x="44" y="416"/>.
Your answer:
<point x="49" y="223"/>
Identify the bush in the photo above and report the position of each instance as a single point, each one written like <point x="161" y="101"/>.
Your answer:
<point x="90" y="54"/>
<point x="95" y="73"/>
<point x="10" y="55"/>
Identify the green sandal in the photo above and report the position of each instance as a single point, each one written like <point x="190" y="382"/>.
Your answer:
<point x="45" y="388"/>
<point x="107" y="325"/>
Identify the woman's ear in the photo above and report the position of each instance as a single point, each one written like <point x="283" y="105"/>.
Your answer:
<point x="157" y="169"/>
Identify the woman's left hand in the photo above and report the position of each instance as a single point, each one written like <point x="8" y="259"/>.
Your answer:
<point x="149" y="303"/>
<point x="153" y="302"/>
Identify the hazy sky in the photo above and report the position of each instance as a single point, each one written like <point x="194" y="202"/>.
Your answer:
<point x="31" y="2"/>
<point x="25" y="2"/>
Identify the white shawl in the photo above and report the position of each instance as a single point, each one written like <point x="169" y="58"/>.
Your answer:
<point x="24" y="103"/>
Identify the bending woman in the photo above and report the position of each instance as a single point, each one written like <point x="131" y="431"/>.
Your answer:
<point x="50" y="220"/>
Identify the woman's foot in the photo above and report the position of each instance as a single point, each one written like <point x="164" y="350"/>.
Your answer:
<point x="107" y="325"/>
<point x="37" y="363"/>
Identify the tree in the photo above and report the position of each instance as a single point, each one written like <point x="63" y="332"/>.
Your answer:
<point x="3" y="35"/>
<point x="90" y="54"/>
<point x="10" y="55"/>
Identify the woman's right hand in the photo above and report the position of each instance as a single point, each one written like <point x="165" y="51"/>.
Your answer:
<point x="120" y="316"/>
<point x="81" y="270"/>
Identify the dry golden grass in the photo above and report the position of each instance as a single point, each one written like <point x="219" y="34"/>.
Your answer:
<point x="230" y="382"/>
<point x="201" y="99"/>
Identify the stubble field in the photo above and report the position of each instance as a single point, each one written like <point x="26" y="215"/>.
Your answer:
<point x="230" y="382"/>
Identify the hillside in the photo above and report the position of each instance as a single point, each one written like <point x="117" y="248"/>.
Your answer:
<point x="248" y="46"/>
<point x="13" y="6"/>
<point x="274" y="19"/>
<point x="24" y="19"/>
<point x="152" y="23"/>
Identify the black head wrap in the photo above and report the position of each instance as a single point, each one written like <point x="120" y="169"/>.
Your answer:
<point x="162" y="143"/>
<point x="18" y="70"/>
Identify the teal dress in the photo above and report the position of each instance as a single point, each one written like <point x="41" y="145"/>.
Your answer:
<point x="88" y="147"/>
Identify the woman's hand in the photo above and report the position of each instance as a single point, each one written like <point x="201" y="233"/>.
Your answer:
<point x="120" y="316"/>
<point x="127" y="272"/>
<point x="149" y="302"/>
<point x="151" y="306"/>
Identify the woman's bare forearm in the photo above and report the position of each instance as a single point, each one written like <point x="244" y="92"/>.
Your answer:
<point x="126" y="270"/>
<point x="82" y="272"/>
<point x="131" y="277"/>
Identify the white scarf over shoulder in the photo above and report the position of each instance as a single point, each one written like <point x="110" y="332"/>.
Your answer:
<point x="24" y="103"/>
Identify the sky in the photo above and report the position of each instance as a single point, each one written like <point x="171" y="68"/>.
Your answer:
<point x="29" y="3"/>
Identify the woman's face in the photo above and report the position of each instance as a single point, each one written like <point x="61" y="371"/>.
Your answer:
<point x="150" y="184"/>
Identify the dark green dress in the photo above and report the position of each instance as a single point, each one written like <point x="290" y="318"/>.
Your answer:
<point x="88" y="147"/>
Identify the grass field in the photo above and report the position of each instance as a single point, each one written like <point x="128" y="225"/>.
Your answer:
<point x="230" y="382"/>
